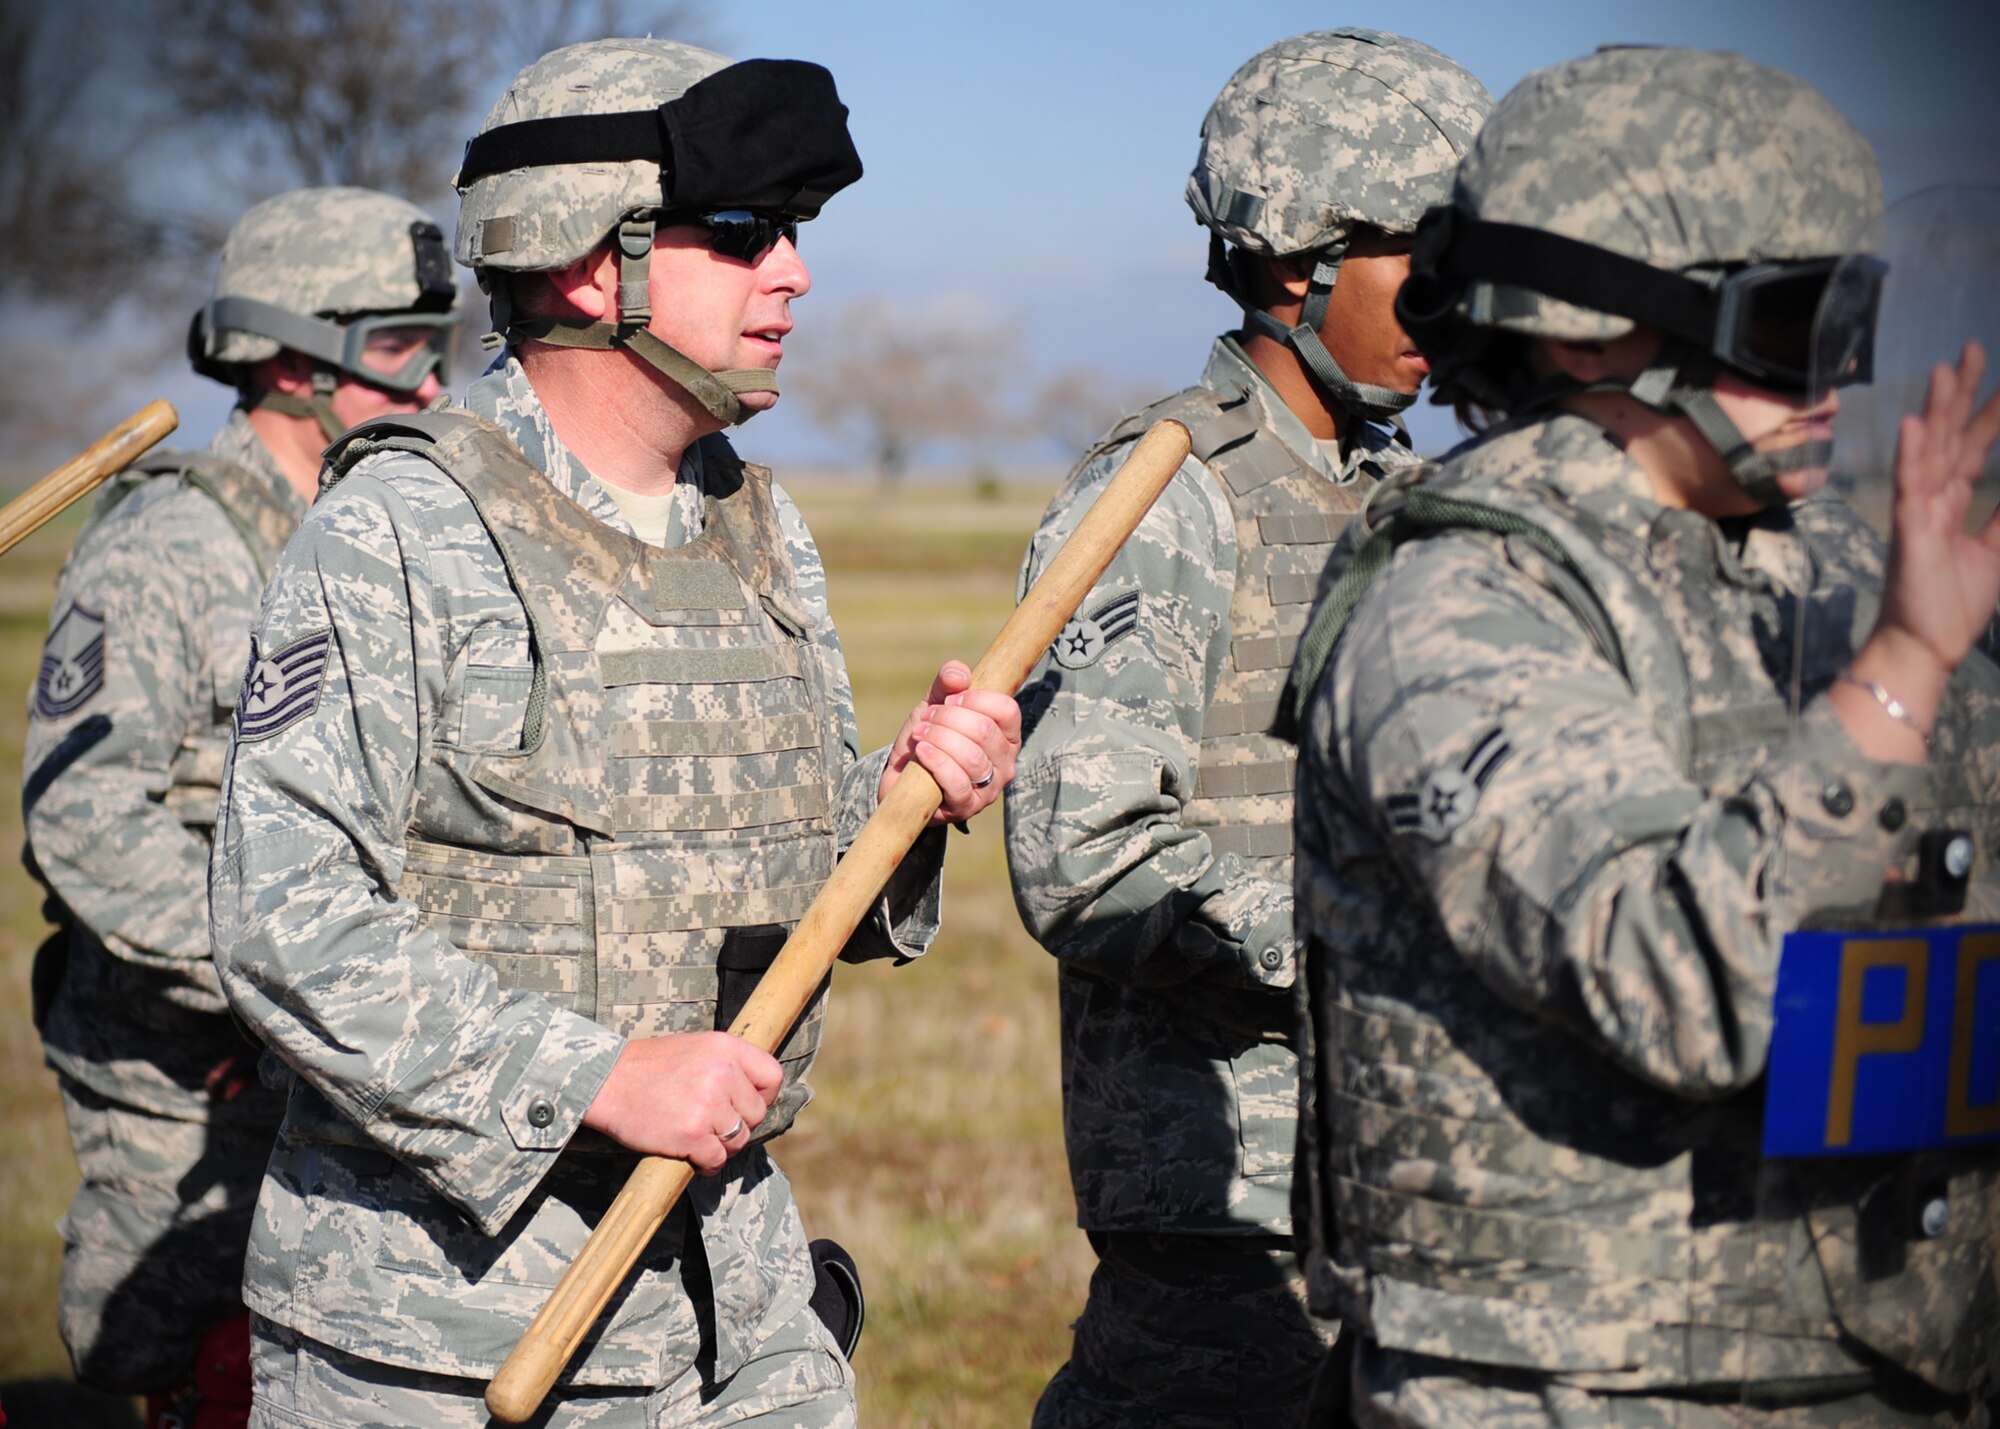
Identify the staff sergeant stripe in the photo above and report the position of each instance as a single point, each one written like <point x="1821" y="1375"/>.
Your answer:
<point x="298" y="670"/>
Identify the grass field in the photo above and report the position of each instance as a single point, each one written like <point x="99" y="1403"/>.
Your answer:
<point x="934" y="1149"/>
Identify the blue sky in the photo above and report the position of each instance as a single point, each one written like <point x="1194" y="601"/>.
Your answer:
<point x="1025" y="161"/>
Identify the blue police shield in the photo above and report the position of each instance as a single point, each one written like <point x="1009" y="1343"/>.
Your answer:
<point x="1878" y="1186"/>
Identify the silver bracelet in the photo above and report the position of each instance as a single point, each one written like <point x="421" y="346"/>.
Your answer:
<point x="1891" y="706"/>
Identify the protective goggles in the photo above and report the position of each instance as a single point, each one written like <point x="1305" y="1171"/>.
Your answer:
<point x="398" y="365"/>
<point x="745" y="234"/>
<point x="1791" y="327"/>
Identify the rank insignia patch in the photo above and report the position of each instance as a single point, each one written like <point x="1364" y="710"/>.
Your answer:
<point x="72" y="664"/>
<point x="281" y="688"/>
<point x="1449" y="795"/>
<point x="1085" y="637"/>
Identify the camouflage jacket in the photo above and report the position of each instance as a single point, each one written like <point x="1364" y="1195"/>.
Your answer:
<point x="1178" y="1096"/>
<point x="429" y="1182"/>
<point x="1548" y="848"/>
<point x="128" y="725"/>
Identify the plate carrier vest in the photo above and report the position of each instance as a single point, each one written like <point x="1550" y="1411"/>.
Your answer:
<point x="638" y="847"/>
<point x="1287" y="517"/>
<point x="1639" y="1240"/>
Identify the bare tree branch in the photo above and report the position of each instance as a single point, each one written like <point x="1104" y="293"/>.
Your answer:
<point x="134" y="132"/>
<point x="1077" y="405"/>
<point x="897" y="379"/>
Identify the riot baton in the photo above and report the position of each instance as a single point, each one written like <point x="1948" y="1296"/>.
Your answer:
<point x="85" y="472"/>
<point x="615" y="1246"/>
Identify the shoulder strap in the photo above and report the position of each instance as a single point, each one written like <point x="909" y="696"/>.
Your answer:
<point x="440" y="436"/>
<point x="741" y="504"/>
<point x="1213" y="423"/>
<point x="245" y="498"/>
<point x="1421" y="513"/>
<point x="416" y="432"/>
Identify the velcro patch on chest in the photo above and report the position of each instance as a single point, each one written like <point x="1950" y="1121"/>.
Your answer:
<point x="1086" y="637"/>
<point x="281" y="688"/>
<point x="1449" y="794"/>
<point x="72" y="664"/>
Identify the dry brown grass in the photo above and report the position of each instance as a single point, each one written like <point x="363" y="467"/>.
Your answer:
<point x="934" y="1149"/>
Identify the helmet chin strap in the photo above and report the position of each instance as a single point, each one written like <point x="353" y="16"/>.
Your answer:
<point x="319" y="406"/>
<point x="717" y="392"/>
<point x="1364" y="399"/>
<point x="1681" y="382"/>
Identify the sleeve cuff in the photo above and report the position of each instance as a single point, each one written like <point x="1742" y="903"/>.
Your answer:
<point x="1835" y="795"/>
<point x="1271" y="952"/>
<point x="545" y="1106"/>
<point x="911" y="907"/>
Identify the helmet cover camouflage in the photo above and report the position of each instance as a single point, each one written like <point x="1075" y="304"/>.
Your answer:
<point x="1330" y="130"/>
<point x="326" y="252"/>
<point x="546" y="217"/>
<point x="1677" y="158"/>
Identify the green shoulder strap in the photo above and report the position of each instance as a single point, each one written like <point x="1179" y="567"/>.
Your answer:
<point x="1426" y="513"/>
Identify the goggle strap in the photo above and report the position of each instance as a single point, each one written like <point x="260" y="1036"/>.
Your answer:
<point x="316" y="338"/>
<point x="326" y="342"/>
<point x="1582" y="274"/>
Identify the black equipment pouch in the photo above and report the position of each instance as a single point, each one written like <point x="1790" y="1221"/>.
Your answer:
<point x="836" y="1296"/>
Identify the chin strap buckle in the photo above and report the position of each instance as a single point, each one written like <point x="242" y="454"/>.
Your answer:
<point x="635" y="261"/>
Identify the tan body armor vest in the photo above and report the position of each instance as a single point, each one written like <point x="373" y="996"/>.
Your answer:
<point x="265" y="523"/>
<point x="1287" y="518"/>
<point x="632" y="826"/>
<point x="1587" y="1223"/>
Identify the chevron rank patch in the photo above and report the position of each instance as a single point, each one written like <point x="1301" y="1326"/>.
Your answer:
<point x="1085" y="637"/>
<point x="1450" y="794"/>
<point x="281" y="688"/>
<point x="72" y="664"/>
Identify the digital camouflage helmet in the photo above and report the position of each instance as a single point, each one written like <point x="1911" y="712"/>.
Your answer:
<point x="613" y="138"/>
<point x="317" y="272"/>
<point x="1696" y="193"/>
<point x="1313" y="138"/>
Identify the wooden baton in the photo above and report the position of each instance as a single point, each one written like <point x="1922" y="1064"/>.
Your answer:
<point x="615" y="1246"/>
<point x="85" y="472"/>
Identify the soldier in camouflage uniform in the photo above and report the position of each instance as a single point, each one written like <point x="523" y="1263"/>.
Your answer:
<point x="327" y="310"/>
<point x="553" y="744"/>
<point x="1149" y="837"/>
<point x="1555" y="814"/>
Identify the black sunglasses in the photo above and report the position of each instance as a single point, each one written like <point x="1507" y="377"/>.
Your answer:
<point x="741" y="233"/>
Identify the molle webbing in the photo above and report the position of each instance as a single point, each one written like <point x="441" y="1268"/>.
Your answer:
<point x="681" y="741"/>
<point x="1421" y="513"/>
<point x="1286" y="518"/>
<point x="1726" y="1276"/>
<point x="1566" y="551"/>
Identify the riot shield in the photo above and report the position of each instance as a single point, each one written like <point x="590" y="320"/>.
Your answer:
<point x="1876" y="1252"/>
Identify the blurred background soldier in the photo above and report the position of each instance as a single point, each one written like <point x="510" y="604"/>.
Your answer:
<point x="559" y="745"/>
<point x="1150" y="837"/>
<point x="332" y="305"/>
<point x="1620" y="710"/>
